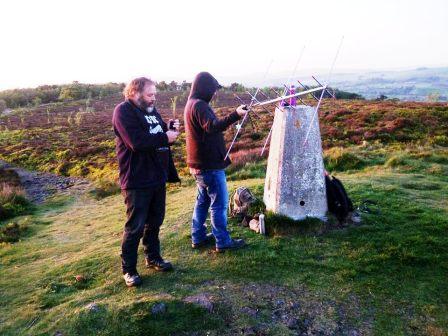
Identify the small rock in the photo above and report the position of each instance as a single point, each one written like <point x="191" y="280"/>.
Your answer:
<point x="58" y="333"/>
<point x="80" y="278"/>
<point x="158" y="308"/>
<point x="353" y="333"/>
<point x="202" y="300"/>
<point x="93" y="307"/>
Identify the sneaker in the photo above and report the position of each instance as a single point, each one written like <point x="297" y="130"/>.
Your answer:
<point x="159" y="265"/>
<point x="234" y="244"/>
<point x="209" y="238"/>
<point x="132" y="279"/>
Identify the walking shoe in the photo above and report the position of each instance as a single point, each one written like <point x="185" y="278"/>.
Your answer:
<point x="159" y="265"/>
<point x="209" y="238"/>
<point x="132" y="279"/>
<point x="234" y="244"/>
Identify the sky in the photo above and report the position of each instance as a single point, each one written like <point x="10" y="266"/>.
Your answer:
<point x="53" y="42"/>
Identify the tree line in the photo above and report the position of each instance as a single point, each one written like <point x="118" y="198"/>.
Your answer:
<point x="68" y="92"/>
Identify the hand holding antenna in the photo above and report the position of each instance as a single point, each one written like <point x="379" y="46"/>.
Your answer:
<point x="242" y="110"/>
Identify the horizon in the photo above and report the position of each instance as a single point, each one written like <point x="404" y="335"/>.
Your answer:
<point x="253" y="75"/>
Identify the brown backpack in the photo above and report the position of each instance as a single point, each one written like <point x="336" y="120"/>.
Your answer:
<point x="241" y="200"/>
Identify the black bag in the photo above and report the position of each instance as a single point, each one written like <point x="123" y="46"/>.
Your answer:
<point x="339" y="204"/>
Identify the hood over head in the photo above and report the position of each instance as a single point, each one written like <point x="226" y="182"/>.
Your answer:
<point x="204" y="86"/>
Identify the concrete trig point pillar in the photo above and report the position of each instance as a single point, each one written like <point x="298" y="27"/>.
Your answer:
<point x="295" y="182"/>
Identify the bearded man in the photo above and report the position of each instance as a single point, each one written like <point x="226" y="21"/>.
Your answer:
<point x="145" y="165"/>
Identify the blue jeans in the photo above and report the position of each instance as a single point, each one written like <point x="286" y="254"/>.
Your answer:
<point x="213" y="195"/>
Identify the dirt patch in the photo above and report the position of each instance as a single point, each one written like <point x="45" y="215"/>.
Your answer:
<point x="39" y="186"/>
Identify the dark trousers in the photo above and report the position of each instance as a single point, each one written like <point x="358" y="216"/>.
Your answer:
<point x="145" y="210"/>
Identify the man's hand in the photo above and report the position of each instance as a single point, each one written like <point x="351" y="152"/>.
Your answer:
<point x="172" y="136"/>
<point x="174" y="124"/>
<point x="242" y="110"/>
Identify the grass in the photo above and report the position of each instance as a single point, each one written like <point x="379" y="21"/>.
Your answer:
<point x="384" y="277"/>
<point x="388" y="275"/>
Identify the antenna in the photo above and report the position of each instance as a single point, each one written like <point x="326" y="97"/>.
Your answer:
<point x="323" y="91"/>
<point x="286" y="89"/>
<point x="247" y="113"/>
<point x="254" y="102"/>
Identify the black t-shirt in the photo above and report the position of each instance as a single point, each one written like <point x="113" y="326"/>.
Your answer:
<point x="157" y="125"/>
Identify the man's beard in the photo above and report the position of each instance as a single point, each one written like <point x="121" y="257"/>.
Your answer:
<point x="149" y="107"/>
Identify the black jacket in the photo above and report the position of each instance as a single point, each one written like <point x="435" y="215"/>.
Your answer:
<point x="143" y="153"/>
<point x="205" y="140"/>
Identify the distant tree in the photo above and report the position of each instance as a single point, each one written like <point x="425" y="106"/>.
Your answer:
<point x="237" y="87"/>
<point x="73" y="92"/>
<point x="185" y="86"/>
<point x="172" y="86"/>
<point x="48" y="93"/>
<point x="346" y="95"/>
<point x="108" y="89"/>
<point x="162" y="86"/>
<point x="37" y="101"/>
<point x="2" y="105"/>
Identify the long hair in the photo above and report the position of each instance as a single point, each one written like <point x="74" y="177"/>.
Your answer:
<point x="136" y="86"/>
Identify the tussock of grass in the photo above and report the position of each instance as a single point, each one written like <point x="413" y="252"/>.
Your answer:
<point x="395" y="161"/>
<point x="12" y="201"/>
<point x="105" y="188"/>
<point x="12" y="232"/>
<point x="341" y="159"/>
